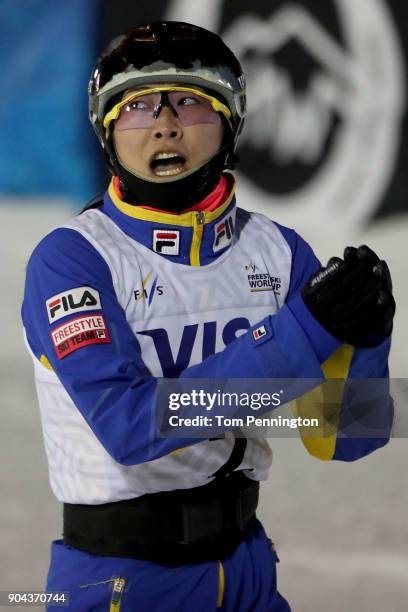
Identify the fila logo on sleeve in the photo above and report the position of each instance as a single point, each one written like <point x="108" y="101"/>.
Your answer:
<point x="166" y="242"/>
<point x="72" y="301"/>
<point x="224" y="231"/>
<point x="259" y="332"/>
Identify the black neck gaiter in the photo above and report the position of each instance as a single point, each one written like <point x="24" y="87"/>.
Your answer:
<point x="172" y="196"/>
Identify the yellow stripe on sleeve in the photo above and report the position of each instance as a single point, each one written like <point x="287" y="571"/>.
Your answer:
<point x="178" y="451"/>
<point x="46" y="363"/>
<point x="324" y="403"/>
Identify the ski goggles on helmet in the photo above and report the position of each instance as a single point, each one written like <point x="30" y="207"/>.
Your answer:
<point x="141" y="108"/>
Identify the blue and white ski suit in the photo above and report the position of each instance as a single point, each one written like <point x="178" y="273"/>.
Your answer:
<point x="121" y="296"/>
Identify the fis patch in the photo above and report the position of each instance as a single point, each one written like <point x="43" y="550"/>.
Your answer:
<point x="72" y="301"/>
<point x="78" y="333"/>
<point x="166" y="242"/>
<point x="259" y="332"/>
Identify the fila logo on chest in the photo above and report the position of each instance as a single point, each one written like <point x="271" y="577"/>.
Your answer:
<point x="166" y="242"/>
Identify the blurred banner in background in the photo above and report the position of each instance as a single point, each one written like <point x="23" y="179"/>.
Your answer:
<point x="46" y="147"/>
<point x="326" y="132"/>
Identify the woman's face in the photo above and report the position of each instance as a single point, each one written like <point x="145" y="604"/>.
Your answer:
<point x="168" y="148"/>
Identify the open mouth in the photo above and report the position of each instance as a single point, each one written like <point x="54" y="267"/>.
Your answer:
<point x="168" y="164"/>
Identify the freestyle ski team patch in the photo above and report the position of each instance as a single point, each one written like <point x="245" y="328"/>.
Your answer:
<point x="79" y="332"/>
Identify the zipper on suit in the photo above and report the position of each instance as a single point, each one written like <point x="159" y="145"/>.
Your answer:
<point x="198" y="228"/>
<point x="117" y="592"/>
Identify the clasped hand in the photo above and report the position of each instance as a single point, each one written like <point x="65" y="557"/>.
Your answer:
<point x="352" y="297"/>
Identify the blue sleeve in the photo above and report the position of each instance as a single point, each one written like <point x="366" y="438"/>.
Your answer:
<point x="376" y="412"/>
<point x="108" y="382"/>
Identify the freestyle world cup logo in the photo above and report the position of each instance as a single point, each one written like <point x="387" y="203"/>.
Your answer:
<point x="262" y="281"/>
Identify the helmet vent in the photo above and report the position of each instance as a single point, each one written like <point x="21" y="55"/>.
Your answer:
<point x="145" y="37"/>
<point x="143" y="34"/>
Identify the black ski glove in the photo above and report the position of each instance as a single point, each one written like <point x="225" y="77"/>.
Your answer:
<point x="352" y="297"/>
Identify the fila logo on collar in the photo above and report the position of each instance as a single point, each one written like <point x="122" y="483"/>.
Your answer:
<point x="224" y="232"/>
<point x="72" y="301"/>
<point x="166" y="242"/>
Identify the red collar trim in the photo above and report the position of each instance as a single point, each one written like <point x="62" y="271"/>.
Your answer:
<point x="208" y="204"/>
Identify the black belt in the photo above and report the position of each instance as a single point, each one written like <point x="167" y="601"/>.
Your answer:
<point x="172" y="528"/>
